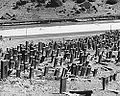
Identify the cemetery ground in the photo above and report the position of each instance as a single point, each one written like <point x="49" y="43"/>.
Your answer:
<point x="48" y="86"/>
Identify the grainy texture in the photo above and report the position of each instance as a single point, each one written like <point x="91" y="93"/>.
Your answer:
<point x="27" y="10"/>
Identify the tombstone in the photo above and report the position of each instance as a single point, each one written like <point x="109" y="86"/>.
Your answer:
<point x="76" y="54"/>
<point x="93" y="45"/>
<point x="20" y="47"/>
<point x="100" y="58"/>
<point x="40" y="46"/>
<point x="26" y="57"/>
<point x="114" y="76"/>
<point x="15" y="51"/>
<point x="61" y="60"/>
<point x="58" y="50"/>
<point x="55" y="62"/>
<point x="83" y="70"/>
<point x="34" y="63"/>
<point x="31" y="74"/>
<point x="23" y="54"/>
<point x="74" y="69"/>
<point x="52" y="53"/>
<point x="26" y="45"/>
<point x="68" y="55"/>
<point x="18" y="73"/>
<point x="111" y="78"/>
<point x="43" y="50"/>
<point x="55" y="45"/>
<point x="107" y="55"/>
<point x="95" y="72"/>
<point x="31" y="52"/>
<point x="78" y="45"/>
<point x="107" y="81"/>
<point x="22" y="67"/>
<point x="50" y="72"/>
<point x="7" y="50"/>
<point x="88" y="70"/>
<point x="96" y="50"/>
<point x="42" y="59"/>
<point x="103" y="83"/>
<point x="71" y="58"/>
<point x="14" y="57"/>
<point x="16" y="64"/>
<point x="57" y="74"/>
<point x="110" y="54"/>
<point x="118" y="56"/>
<point x="19" y="58"/>
<point x="4" y="69"/>
<point x="46" y="53"/>
<point x="52" y="58"/>
<point x="45" y="71"/>
<point x="10" y="65"/>
<point x="62" y="85"/>
<point x="80" y="57"/>
<point x="79" y="67"/>
<point x="63" y="73"/>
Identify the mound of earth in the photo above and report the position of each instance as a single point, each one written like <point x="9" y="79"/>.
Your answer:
<point x="28" y="10"/>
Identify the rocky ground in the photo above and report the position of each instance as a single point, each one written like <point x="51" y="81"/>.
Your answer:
<point x="27" y="10"/>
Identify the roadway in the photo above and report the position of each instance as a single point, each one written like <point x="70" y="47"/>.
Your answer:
<point x="75" y="28"/>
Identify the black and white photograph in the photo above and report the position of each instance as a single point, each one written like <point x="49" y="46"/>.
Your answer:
<point x="59" y="47"/>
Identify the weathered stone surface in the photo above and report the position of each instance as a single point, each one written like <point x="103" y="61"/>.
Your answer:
<point x="112" y="2"/>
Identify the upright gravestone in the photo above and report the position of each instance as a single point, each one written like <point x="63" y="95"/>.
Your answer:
<point x="88" y="70"/>
<point x="74" y="69"/>
<point x="4" y="69"/>
<point x="95" y="72"/>
<point x="103" y="82"/>
<point x="40" y="46"/>
<point x="62" y="85"/>
<point x="18" y="73"/>
<point x="83" y="70"/>
<point x="114" y="76"/>
<point x="31" y="74"/>
<point x="61" y="60"/>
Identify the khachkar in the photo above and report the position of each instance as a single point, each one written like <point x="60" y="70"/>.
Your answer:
<point x="58" y="59"/>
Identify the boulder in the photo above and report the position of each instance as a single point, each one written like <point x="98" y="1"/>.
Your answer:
<point x="54" y="3"/>
<point x="80" y="1"/>
<point x="112" y="2"/>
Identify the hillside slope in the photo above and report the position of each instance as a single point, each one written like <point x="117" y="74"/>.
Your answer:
<point x="26" y="10"/>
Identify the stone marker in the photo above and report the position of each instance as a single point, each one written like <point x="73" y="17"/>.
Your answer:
<point x="103" y="83"/>
<point x="31" y="74"/>
<point x="83" y="70"/>
<point x="88" y="70"/>
<point x="95" y="72"/>
<point x="62" y="85"/>
<point x="18" y="73"/>
<point x="4" y="69"/>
